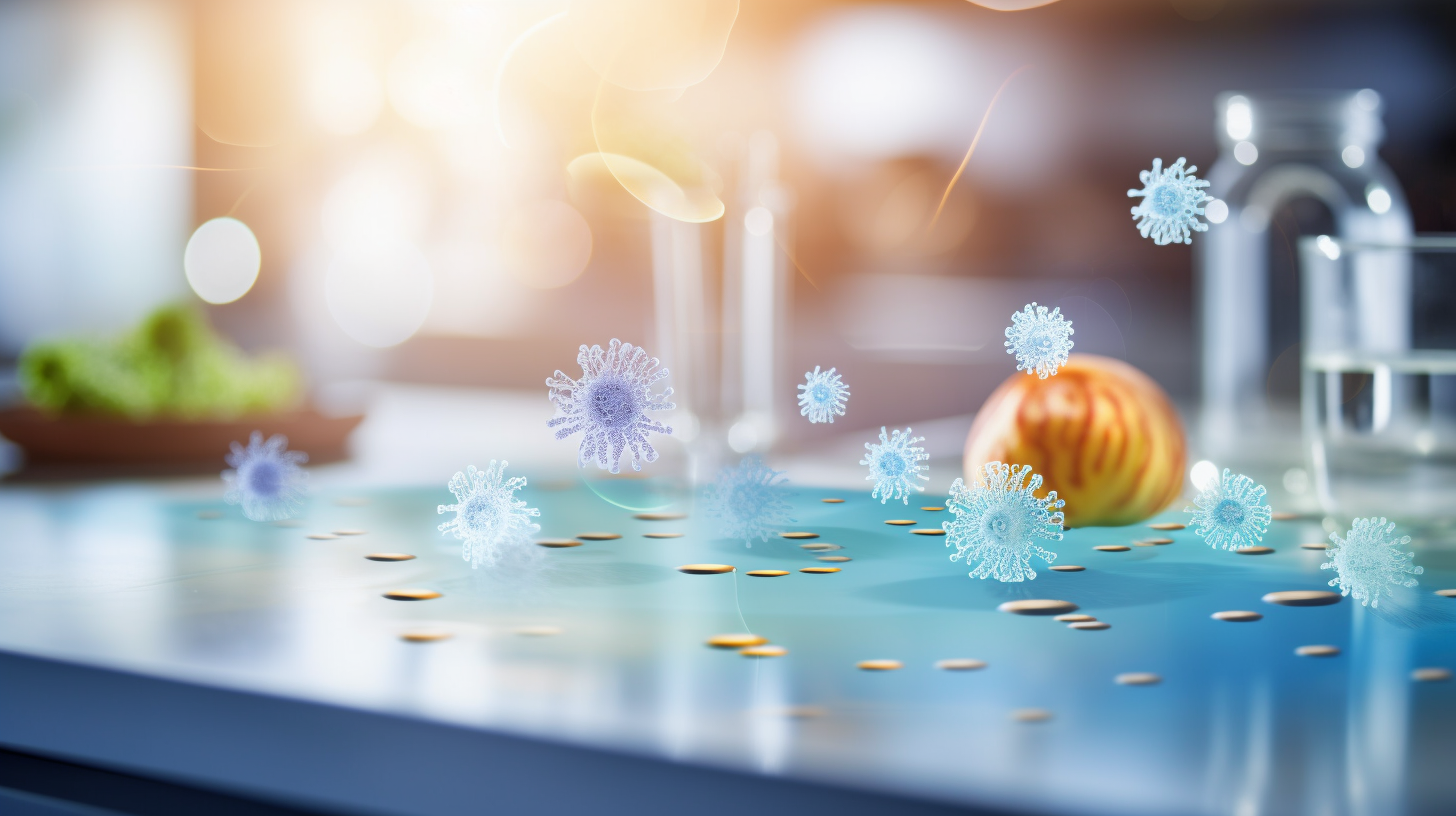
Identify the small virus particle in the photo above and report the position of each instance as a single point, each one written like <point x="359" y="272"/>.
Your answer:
<point x="1230" y="513"/>
<point x="609" y="404"/>
<point x="265" y="478"/>
<point x="1368" y="561"/>
<point x="1040" y="341"/>
<point x="822" y="396"/>
<point x="1172" y="200"/>
<point x="488" y="516"/>
<point x="749" y="501"/>
<point x="998" y="521"/>
<point x="895" y="465"/>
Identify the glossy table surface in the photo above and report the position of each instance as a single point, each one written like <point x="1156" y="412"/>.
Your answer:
<point x="603" y="646"/>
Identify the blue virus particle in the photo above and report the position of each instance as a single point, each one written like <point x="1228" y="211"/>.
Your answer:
<point x="1172" y="200"/>
<point x="998" y="522"/>
<point x="822" y="396"/>
<point x="895" y="465"/>
<point x="488" y="516"/>
<point x="266" y="478"/>
<point x="609" y="404"/>
<point x="749" y="501"/>
<point x="1368" y="561"/>
<point x="1231" y="513"/>
<point x="1040" y="341"/>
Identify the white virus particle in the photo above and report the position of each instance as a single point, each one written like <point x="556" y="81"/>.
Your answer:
<point x="1172" y="200"/>
<point x="822" y="396"/>
<point x="488" y="516"/>
<point x="998" y="522"/>
<point x="1040" y="341"/>
<point x="609" y="404"/>
<point x="1368" y="561"/>
<point x="266" y="478"/>
<point x="1230" y="513"/>
<point x="895" y="465"/>
<point x="749" y="501"/>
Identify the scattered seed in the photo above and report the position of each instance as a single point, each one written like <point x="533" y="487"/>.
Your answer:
<point x="1237" y="616"/>
<point x="348" y="532"/>
<point x="1068" y="568"/>
<point x="1037" y="606"/>
<point x="1283" y="515"/>
<point x="662" y="535"/>
<point x="1446" y="593"/>
<point x="820" y="547"/>
<point x="932" y="509"/>
<point x="599" y="536"/>
<point x="1156" y="542"/>
<point x="390" y="557"/>
<point x="660" y="516"/>
<point x="736" y="641"/>
<point x="767" y="573"/>
<point x="832" y="501"/>
<point x="764" y="651"/>
<point x="797" y="536"/>
<point x="838" y="559"/>
<point x="901" y="522"/>
<point x="1090" y="626"/>
<point x="322" y="536"/>
<point x="705" y="569"/>
<point x="1317" y="651"/>
<point x="960" y="664"/>
<point x="411" y="594"/>
<point x="1112" y="548"/>
<point x="1168" y="525"/>
<point x="879" y="665"/>
<point x="1314" y="545"/>
<point x="1074" y="618"/>
<point x="1137" y="679"/>
<point x="930" y="531"/>
<point x="1031" y="715"/>
<point x="819" y="570"/>
<point x="425" y="635"/>
<point x="1432" y="674"/>
<point x="558" y="543"/>
<point x="1302" y="597"/>
<point x="1255" y="551"/>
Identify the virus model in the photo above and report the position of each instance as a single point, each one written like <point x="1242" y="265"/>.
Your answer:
<point x="488" y="516"/>
<point x="1368" y="560"/>
<point x="822" y="395"/>
<point x="749" y="501"/>
<point x="1040" y="341"/>
<point x="609" y="404"/>
<point x="265" y="478"/>
<point x="1172" y="200"/>
<point x="895" y="465"/>
<point x="998" y="521"/>
<point x="1231" y="512"/>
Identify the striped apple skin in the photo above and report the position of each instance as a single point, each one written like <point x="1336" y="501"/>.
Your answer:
<point x="1101" y="433"/>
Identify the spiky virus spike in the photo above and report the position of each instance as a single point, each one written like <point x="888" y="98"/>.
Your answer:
<point x="749" y="501"/>
<point x="998" y="521"/>
<point x="266" y="478"/>
<point x="822" y="396"/>
<point x="488" y="516"/>
<point x="609" y="404"/>
<point x="1368" y="561"/>
<point x="1231" y="513"/>
<point x="1172" y="200"/>
<point x="1040" y="341"/>
<point x="895" y="465"/>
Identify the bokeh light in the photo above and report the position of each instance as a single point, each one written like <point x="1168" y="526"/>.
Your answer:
<point x="246" y="61"/>
<point x="1203" y="475"/>
<point x="546" y="244"/>
<point x="646" y="45"/>
<point x="381" y="296"/>
<point x="382" y="201"/>
<point x="344" y="95"/>
<point x="222" y="260"/>
<point x="649" y="185"/>
<point x="431" y="84"/>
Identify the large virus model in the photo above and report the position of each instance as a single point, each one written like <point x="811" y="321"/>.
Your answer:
<point x="998" y="522"/>
<point x="1040" y="341"/>
<point x="1230" y="513"/>
<point x="1172" y="200"/>
<point x="265" y="478"/>
<point x="822" y="396"/>
<point x="488" y="516"/>
<point x="1368" y="561"/>
<point x="895" y="465"/>
<point x="609" y="404"/>
<point x="749" y="501"/>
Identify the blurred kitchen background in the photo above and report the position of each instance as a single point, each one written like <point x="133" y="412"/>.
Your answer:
<point x="444" y="151"/>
